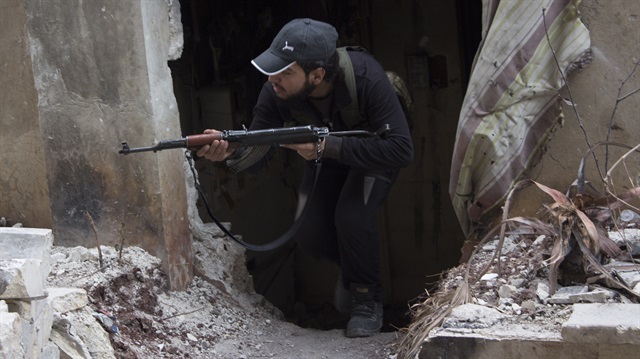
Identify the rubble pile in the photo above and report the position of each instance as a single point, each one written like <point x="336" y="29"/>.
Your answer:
<point x="518" y="281"/>
<point x="114" y="302"/>
<point x="147" y="320"/>
<point x="509" y="287"/>
<point x="32" y="314"/>
<point x="59" y="302"/>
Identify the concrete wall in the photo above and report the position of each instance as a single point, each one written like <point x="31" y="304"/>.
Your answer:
<point x="615" y="40"/>
<point x="24" y="193"/>
<point x="99" y="76"/>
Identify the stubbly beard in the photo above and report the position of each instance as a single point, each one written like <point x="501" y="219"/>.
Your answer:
<point x="302" y="94"/>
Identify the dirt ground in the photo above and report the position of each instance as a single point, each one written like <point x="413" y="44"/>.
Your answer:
<point x="211" y="319"/>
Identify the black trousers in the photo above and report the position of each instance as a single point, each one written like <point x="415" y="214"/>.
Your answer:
<point x="340" y="222"/>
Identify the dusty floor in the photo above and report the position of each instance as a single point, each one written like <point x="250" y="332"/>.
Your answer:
<point x="208" y="320"/>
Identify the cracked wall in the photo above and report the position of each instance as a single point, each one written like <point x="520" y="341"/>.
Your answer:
<point x="95" y="74"/>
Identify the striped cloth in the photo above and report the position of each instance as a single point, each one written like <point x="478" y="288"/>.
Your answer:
<point x="512" y="105"/>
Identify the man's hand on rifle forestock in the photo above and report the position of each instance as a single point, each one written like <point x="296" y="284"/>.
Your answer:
<point x="217" y="151"/>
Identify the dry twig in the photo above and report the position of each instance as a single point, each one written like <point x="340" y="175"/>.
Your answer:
<point x="122" y="238"/>
<point x="95" y="231"/>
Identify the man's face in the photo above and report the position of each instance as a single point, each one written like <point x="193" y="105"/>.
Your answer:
<point x="292" y="83"/>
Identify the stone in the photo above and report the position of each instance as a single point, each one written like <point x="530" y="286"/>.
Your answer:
<point x="22" y="278"/>
<point x="81" y="254"/>
<point x="506" y="291"/>
<point x="629" y="238"/>
<point x="79" y="335"/>
<point x="37" y="318"/>
<point x="529" y="306"/>
<point x="27" y="243"/>
<point x="67" y="299"/>
<point x="565" y="295"/>
<point x="472" y="316"/>
<point x="10" y="330"/>
<point x="594" y="296"/>
<point x="489" y="276"/>
<point x="50" y="351"/>
<point x="542" y="291"/>
<point x="518" y="282"/>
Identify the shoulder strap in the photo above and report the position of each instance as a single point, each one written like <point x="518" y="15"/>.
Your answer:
<point x="350" y="114"/>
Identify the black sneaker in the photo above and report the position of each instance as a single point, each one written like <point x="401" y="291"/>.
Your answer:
<point x="366" y="313"/>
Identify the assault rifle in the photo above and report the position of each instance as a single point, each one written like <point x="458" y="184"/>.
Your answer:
<point x="249" y="138"/>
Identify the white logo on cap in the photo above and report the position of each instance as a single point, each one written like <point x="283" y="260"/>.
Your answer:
<point x="287" y="47"/>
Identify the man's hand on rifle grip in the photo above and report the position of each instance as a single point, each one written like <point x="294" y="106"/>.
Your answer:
<point x="216" y="151"/>
<point x="308" y="151"/>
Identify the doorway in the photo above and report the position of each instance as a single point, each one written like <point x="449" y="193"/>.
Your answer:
<point x="429" y="43"/>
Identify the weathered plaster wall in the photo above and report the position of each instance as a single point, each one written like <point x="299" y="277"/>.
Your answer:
<point x="101" y="76"/>
<point x="615" y="40"/>
<point x="24" y="194"/>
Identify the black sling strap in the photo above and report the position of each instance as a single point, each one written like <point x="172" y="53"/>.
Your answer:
<point x="278" y="242"/>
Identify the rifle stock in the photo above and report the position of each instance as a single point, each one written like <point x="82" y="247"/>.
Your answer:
<point x="248" y="138"/>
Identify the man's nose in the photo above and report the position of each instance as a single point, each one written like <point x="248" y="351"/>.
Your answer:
<point x="274" y="78"/>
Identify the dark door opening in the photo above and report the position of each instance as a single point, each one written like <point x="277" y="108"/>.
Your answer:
<point x="216" y="86"/>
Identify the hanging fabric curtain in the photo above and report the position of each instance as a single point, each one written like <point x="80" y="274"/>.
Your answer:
<point x="512" y="105"/>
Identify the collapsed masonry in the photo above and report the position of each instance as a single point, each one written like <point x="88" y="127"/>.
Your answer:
<point x="513" y="309"/>
<point x="34" y="319"/>
<point x="76" y="302"/>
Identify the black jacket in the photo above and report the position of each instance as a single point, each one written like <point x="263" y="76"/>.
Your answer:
<point x="377" y="103"/>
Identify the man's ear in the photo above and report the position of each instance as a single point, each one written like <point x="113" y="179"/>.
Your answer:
<point x="317" y="75"/>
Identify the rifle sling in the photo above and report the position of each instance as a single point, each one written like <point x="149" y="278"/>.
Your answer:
<point x="278" y="242"/>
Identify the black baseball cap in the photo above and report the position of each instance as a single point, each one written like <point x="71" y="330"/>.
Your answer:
<point x="300" y="40"/>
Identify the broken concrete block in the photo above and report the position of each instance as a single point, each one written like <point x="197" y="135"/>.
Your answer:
<point x="79" y="335"/>
<point x="542" y="291"/>
<point x="37" y="318"/>
<point x="80" y="254"/>
<point x="69" y="344"/>
<point x="565" y="295"/>
<point x="628" y="238"/>
<point x="472" y="316"/>
<point x="67" y="299"/>
<point x="594" y="296"/>
<point x="506" y="291"/>
<point x="27" y="243"/>
<point x="611" y="323"/>
<point x="22" y="278"/>
<point x="10" y="330"/>
<point x="50" y="351"/>
<point x="630" y="277"/>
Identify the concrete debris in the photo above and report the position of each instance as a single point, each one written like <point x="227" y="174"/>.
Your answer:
<point x="513" y="310"/>
<point x="56" y="302"/>
<point x="472" y="316"/>
<point x="32" y="316"/>
<point x="603" y="323"/>
<point x="5" y="222"/>
<point x="628" y="238"/>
